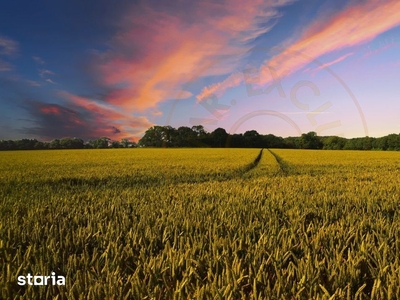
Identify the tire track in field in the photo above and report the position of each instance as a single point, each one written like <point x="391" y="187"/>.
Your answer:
<point x="253" y="164"/>
<point x="284" y="168"/>
<point x="128" y="181"/>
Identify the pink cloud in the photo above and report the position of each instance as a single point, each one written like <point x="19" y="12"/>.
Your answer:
<point x="50" y="110"/>
<point x="109" y="120"/>
<point x="356" y="25"/>
<point x="156" y="52"/>
<point x="218" y="88"/>
<point x="371" y="52"/>
<point x="55" y="121"/>
<point x="353" y="26"/>
<point x="331" y="63"/>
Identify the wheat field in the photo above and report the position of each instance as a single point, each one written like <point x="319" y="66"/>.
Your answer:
<point x="201" y="224"/>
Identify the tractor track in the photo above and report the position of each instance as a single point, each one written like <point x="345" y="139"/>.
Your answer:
<point x="284" y="168"/>
<point x="129" y="181"/>
<point x="253" y="164"/>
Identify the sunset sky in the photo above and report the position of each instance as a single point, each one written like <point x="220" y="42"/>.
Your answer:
<point x="115" y="68"/>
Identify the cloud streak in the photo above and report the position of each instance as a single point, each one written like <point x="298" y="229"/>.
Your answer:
<point x="38" y="60"/>
<point x="355" y="25"/>
<point x="43" y="73"/>
<point x="331" y="63"/>
<point x="5" y="66"/>
<point x="8" y="46"/>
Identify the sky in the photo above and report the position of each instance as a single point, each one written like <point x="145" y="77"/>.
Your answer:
<point x="91" y="69"/>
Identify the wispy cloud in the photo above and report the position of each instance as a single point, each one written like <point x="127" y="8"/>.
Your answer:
<point x="44" y="73"/>
<point x="355" y="25"/>
<point x="305" y="113"/>
<point x="33" y="83"/>
<point x="5" y="66"/>
<point x="157" y="51"/>
<point x="50" y="81"/>
<point x="38" y="60"/>
<point x="381" y="49"/>
<point x="8" y="46"/>
<point x="331" y="63"/>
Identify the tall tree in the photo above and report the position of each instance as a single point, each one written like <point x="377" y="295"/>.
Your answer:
<point x="219" y="137"/>
<point x="310" y="141"/>
<point x="252" y="139"/>
<point x="185" y="137"/>
<point x="158" y="136"/>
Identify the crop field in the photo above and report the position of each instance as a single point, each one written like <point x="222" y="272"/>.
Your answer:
<point x="201" y="224"/>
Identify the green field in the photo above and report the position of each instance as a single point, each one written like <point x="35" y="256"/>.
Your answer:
<point x="201" y="224"/>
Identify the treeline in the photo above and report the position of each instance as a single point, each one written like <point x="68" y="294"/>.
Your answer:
<point x="64" y="143"/>
<point x="197" y="136"/>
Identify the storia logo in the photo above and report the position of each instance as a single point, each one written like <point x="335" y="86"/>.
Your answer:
<point x="41" y="280"/>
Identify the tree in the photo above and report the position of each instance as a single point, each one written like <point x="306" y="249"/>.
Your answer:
<point x="71" y="143"/>
<point x="334" y="143"/>
<point x="272" y="141"/>
<point x="201" y="138"/>
<point x="393" y="142"/>
<point x="39" y="145"/>
<point x="152" y="137"/>
<point x="252" y="139"/>
<point x="55" y="144"/>
<point x="158" y="136"/>
<point x="236" y="141"/>
<point x="310" y="141"/>
<point x="7" y="145"/>
<point x="125" y="143"/>
<point x="367" y="143"/>
<point x="219" y="137"/>
<point x="66" y="143"/>
<point x="169" y="136"/>
<point x="89" y="144"/>
<point x="293" y="142"/>
<point x="115" y="144"/>
<point x="199" y="131"/>
<point x="380" y="143"/>
<point x="102" y="142"/>
<point x="185" y="137"/>
<point x="77" y="143"/>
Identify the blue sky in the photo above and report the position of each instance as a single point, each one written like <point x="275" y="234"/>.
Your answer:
<point x="95" y="68"/>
